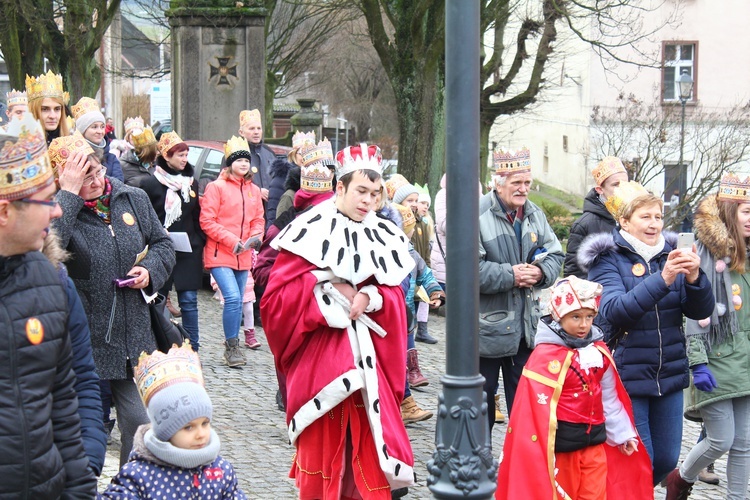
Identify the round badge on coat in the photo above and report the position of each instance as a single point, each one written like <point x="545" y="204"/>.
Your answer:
<point x="192" y="193"/>
<point x="128" y="219"/>
<point x="554" y="366"/>
<point x="34" y="331"/>
<point x="639" y="269"/>
<point x="533" y="237"/>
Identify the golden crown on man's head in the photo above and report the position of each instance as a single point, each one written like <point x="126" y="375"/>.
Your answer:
<point x="509" y="162"/>
<point x="47" y="85"/>
<point x="623" y="194"/>
<point x="16" y="97"/>
<point x="607" y="167"/>
<point x="143" y="138"/>
<point x="732" y="188"/>
<point x="249" y="116"/>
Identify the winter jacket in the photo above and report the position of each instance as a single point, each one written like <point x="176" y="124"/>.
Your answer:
<point x="727" y="358"/>
<point x="102" y="253"/>
<point x="188" y="270"/>
<point x="422" y="276"/>
<point x="437" y="258"/>
<point x="145" y="477"/>
<point x="421" y="239"/>
<point x="291" y="186"/>
<point x="279" y="170"/>
<point x="112" y="164"/>
<point x="650" y="355"/>
<point x="262" y="159"/>
<point x="508" y="313"/>
<point x="133" y="171"/>
<point x="595" y="219"/>
<point x="40" y="437"/>
<point x="231" y="211"/>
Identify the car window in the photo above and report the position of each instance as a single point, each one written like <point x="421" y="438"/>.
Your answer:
<point x="194" y="154"/>
<point x="211" y="168"/>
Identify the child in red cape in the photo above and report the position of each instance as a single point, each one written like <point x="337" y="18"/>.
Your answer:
<point x="571" y="434"/>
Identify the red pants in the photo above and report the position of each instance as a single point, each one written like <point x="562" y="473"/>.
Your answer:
<point x="583" y="473"/>
<point x="337" y="450"/>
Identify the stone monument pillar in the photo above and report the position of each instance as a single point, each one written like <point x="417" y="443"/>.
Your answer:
<point x="307" y="119"/>
<point x="218" y="65"/>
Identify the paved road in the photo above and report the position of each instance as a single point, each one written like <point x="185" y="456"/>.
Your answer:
<point x="253" y="431"/>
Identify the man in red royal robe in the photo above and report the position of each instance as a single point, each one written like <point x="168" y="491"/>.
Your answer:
<point x="335" y="320"/>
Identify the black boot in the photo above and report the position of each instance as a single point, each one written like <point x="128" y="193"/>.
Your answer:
<point x="280" y="401"/>
<point x="423" y="335"/>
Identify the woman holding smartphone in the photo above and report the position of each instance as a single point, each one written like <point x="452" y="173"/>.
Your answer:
<point x="649" y="285"/>
<point x="719" y="344"/>
<point x="106" y="226"/>
<point x="232" y="216"/>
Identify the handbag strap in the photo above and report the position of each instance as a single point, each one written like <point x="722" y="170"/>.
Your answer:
<point x="440" y="245"/>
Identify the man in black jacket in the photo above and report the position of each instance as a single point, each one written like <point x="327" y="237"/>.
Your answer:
<point x="608" y="174"/>
<point x="251" y="128"/>
<point x="43" y="456"/>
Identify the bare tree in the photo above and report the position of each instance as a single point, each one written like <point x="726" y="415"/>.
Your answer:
<point x="65" y="32"/>
<point x="716" y="141"/>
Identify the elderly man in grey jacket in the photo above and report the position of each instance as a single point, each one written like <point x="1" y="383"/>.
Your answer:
<point x="519" y="255"/>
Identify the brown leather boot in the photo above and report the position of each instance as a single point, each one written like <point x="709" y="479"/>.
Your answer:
<point x="677" y="488"/>
<point x="499" y="417"/>
<point x="176" y="313"/>
<point x="416" y="379"/>
<point x="411" y="412"/>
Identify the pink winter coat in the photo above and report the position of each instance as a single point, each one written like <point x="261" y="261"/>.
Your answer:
<point x="437" y="262"/>
<point x="231" y="210"/>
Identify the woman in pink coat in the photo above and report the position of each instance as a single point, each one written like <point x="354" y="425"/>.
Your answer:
<point x="232" y="218"/>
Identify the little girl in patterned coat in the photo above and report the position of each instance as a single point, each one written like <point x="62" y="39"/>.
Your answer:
<point x="177" y="454"/>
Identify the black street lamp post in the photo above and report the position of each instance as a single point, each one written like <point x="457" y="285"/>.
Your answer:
<point x="462" y="465"/>
<point x="685" y="82"/>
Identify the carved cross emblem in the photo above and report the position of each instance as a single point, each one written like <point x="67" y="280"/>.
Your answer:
<point x="223" y="71"/>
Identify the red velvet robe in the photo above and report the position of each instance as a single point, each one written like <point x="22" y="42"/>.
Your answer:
<point x="527" y="467"/>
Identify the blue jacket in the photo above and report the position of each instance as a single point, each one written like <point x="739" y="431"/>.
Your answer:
<point x="279" y="170"/>
<point x="112" y="164"/>
<point x="421" y="275"/>
<point x="651" y="355"/>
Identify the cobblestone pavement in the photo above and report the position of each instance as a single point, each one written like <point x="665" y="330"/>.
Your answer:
<point x="253" y="430"/>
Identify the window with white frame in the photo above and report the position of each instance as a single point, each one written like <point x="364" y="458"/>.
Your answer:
<point x="679" y="57"/>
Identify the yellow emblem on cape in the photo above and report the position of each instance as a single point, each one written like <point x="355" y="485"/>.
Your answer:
<point x="34" y="331"/>
<point x="419" y="231"/>
<point x="533" y="237"/>
<point x="128" y="219"/>
<point x="736" y="289"/>
<point x="554" y="366"/>
<point x="638" y="269"/>
<point x="192" y="193"/>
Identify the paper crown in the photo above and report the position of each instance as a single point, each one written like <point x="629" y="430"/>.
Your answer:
<point x="572" y="293"/>
<point x="424" y="192"/>
<point x="408" y="220"/>
<point x="234" y="145"/>
<point x="321" y="153"/>
<point x="16" y="97"/>
<point x="512" y="162"/>
<point x="134" y="123"/>
<point x="157" y="370"/>
<point x="316" y="178"/>
<point x="622" y="196"/>
<point x="361" y="157"/>
<point x="143" y="137"/>
<point x="393" y="183"/>
<point x="62" y="148"/>
<point x="24" y="164"/>
<point x="83" y="106"/>
<point x="732" y="188"/>
<point x="303" y="140"/>
<point x="48" y="85"/>
<point x="167" y="141"/>
<point x="249" y="116"/>
<point x="606" y="168"/>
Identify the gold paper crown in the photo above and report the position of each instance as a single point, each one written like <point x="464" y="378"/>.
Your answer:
<point x="512" y="162"/>
<point x="134" y="123"/>
<point x="321" y="153"/>
<point x="622" y="196"/>
<point x="24" y="164"/>
<point x="16" y="97"/>
<point x="248" y="116"/>
<point x="83" y="106"/>
<point x="157" y="370"/>
<point x="316" y="178"/>
<point x="408" y="220"/>
<point x="732" y="188"/>
<point x="360" y="157"/>
<point x="62" y="148"/>
<point x="143" y="138"/>
<point x="235" y="144"/>
<point x="393" y="183"/>
<point x="606" y="168"/>
<point x="303" y="140"/>
<point x="167" y="141"/>
<point x="49" y="85"/>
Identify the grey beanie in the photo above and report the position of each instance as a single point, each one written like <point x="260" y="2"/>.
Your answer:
<point x="84" y="121"/>
<point x="172" y="407"/>
<point x="403" y="192"/>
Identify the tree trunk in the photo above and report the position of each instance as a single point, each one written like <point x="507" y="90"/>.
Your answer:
<point x="22" y="52"/>
<point x="270" y="93"/>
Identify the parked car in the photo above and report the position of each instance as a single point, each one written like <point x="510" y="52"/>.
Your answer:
<point x="208" y="158"/>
